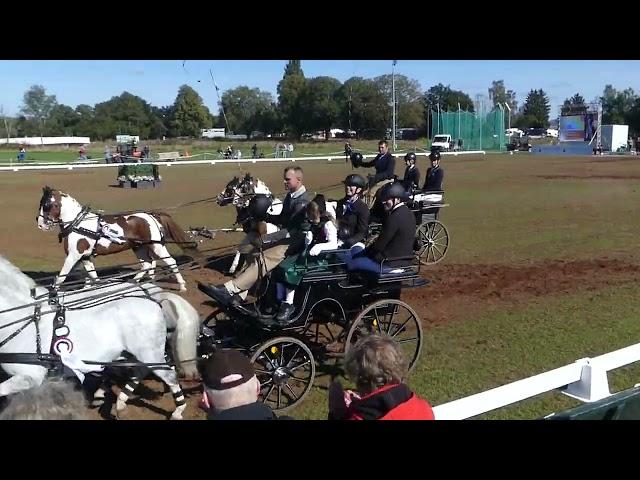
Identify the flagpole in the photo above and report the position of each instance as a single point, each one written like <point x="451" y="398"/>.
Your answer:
<point x="393" y="90"/>
<point x="220" y="100"/>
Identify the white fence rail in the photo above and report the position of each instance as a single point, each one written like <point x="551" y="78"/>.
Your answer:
<point x="17" y="167"/>
<point x="585" y="380"/>
<point x="46" y="140"/>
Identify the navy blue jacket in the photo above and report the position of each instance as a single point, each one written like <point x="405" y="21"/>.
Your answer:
<point x="385" y="165"/>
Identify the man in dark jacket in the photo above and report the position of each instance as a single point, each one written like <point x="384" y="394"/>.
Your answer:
<point x="352" y="213"/>
<point x="385" y="165"/>
<point x="435" y="174"/>
<point x="231" y="388"/>
<point x="287" y="241"/>
<point x="395" y="240"/>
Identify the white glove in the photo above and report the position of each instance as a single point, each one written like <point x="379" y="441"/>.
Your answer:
<point x="315" y="250"/>
<point x="308" y="238"/>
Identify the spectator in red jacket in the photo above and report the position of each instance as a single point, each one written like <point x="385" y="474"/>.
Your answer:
<point x="377" y="365"/>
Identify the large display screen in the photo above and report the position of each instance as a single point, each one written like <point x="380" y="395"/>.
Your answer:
<point x="578" y="128"/>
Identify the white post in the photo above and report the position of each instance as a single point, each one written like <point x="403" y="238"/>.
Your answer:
<point x="458" y="119"/>
<point x="508" y="108"/>
<point x="393" y="100"/>
<point x="480" y="122"/>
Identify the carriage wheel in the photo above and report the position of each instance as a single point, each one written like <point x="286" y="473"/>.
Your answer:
<point x="394" y="318"/>
<point x="285" y="368"/>
<point x="432" y="239"/>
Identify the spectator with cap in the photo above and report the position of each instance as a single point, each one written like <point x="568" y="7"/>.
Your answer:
<point x="231" y="388"/>
<point x="377" y="365"/>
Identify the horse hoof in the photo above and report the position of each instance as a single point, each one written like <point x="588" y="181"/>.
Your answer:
<point x="177" y="413"/>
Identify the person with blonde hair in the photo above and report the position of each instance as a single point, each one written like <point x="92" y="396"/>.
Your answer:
<point x="378" y="367"/>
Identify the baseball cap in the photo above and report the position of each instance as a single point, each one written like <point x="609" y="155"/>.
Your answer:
<point x="225" y="369"/>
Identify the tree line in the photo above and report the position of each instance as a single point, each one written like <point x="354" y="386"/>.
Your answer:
<point x="302" y="105"/>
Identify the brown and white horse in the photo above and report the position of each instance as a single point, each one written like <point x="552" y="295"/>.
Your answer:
<point x="86" y="234"/>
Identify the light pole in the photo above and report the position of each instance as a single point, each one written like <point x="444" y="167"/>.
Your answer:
<point x="508" y="108"/>
<point x="393" y="100"/>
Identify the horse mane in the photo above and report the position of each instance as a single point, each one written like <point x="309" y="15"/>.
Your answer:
<point x="15" y="284"/>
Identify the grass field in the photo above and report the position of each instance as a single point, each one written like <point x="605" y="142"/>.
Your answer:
<point x="543" y="267"/>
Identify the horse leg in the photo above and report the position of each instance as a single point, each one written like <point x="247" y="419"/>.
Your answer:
<point x="170" y="378"/>
<point x="126" y="392"/>
<point x="234" y="264"/>
<point x="91" y="271"/>
<point x="145" y="260"/>
<point x="68" y="265"/>
<point x="163" y="254"/>
<point x="152" y="271"/>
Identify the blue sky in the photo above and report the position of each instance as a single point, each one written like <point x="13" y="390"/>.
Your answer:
<point x="91" y="81"/>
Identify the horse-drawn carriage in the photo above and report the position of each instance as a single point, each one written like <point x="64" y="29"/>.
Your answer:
<point x="333" y="309"/>
<point x="432" y="237"/>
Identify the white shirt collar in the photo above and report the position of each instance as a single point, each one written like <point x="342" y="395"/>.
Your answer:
<point x="298" y="192"/>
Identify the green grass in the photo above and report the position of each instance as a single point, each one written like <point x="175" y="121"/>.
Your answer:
<point x="505" y="345"/>
<point x="504" y="209"/>
<point x="96" y="149"/>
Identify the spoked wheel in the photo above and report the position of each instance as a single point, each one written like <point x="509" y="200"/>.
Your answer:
<point x="285" y="368"/>
<point x="390" y="317"/>
<point x="432" y="242"/>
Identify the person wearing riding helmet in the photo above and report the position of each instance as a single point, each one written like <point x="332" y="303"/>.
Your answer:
<point x="411" y="178"/>
<point x="352" y="213"/>
<point x="435" y="174"/>
<point x="396" y="238"/>
<point x="322" y="236"/>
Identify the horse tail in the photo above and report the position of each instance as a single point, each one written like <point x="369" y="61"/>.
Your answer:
<point x="175" y="233"/>
<point x="184" y="321"/>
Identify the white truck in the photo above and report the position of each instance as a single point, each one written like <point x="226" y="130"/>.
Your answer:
<point x="212" y="133"/>
<point x="443" y="142"/>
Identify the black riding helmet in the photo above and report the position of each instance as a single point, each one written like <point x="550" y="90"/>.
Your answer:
<point x="355" y="180"/>
<point x="392" y="190"/>
<point x="411" y="156"/>
<point x="356" y="159"/>
<point x="258" y="207"/>
<point x="434" y="155"/>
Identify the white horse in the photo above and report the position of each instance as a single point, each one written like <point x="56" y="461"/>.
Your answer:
<point x="101" y="326"/>
<point x="87" y="234"/>
<point x="238" y="193"/>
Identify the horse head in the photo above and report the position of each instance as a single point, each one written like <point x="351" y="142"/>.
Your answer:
<point x="50" y="208"/>
<point x="229" y="193"/>
<point x="56" y="207"/>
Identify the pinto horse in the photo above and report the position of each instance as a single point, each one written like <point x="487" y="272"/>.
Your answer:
<point x="86" y="234"/>
<point x="238" y="192"/>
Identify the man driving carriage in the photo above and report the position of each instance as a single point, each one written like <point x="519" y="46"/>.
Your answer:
<point x="384" y="163"/>
<point x="286" y="241"/>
